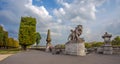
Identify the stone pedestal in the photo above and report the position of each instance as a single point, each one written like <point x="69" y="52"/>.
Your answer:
<point x="48" y="48"/>
<point x="75" y="49"/>
<point x="107" y="49"/>
<point x="100" y="50"/>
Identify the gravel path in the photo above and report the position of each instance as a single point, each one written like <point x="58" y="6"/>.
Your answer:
<point x="39" y="57"/>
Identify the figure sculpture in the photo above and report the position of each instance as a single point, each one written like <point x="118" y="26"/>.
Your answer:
<point x="75" y="44"/>
<point x="75" y="33"/>
<point x="72" y="35"/>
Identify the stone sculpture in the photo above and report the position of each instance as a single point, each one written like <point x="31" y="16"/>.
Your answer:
<point x="48" y="44"/>
<point x="75" y="33"/>
<point x="107" y="48"/>
<point x="75" y="44"/>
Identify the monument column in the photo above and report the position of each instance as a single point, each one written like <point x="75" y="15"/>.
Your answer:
<point x="48" y="40"/>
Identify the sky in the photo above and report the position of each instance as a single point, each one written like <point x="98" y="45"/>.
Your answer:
<point x="60" y="16"/>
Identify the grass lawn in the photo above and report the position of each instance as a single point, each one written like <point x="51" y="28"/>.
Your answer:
<point x="9" y="51"/>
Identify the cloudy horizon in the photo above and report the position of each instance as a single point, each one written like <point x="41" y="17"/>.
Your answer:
<point x="60" y="16"/>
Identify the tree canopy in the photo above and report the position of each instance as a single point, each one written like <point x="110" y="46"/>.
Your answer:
<point x="116" y="41"/>
<point x="93" y="44"/>
<point x="5" y="41"/>
<point x="27" y="31"/>
<point x="38" y="38"/>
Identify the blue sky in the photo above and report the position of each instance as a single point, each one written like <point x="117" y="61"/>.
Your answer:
<point x="60" y="16"/>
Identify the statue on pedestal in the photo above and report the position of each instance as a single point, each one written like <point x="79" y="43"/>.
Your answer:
<point x="75" y="44"/>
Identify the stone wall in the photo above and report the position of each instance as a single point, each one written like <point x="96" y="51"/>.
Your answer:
<point x="116" y="49"/>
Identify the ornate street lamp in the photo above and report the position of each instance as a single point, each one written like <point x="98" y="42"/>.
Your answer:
<point x="107" y="38"/>
<point x="107" y="48"/>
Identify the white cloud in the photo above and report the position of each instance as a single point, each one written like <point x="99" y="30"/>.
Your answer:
<point x="80" y="12"/>
<point x="59" y="13"/>
<point x="15" y="9"/>
<point x="3" y="27"/>
<point x="40" y="11"/>
<point x="77" y="19"/>
<point x="78" y="9"/>
<point x="9" y="14"/>
<point x="59" y="21"/>
<point x="63" y="19"/>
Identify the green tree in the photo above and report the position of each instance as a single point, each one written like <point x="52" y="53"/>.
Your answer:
<point x="5" y="39"/>
<point x="97" y="44"/>
<point x="1" y="36"/>
<point x="60" y="46"/>
<point x="27" y="32"/>
<point x="38" y="38"/>
<point x="5" y="42"/>
<point x="116" y="41"/>
<point x="93" y="44"/>
<point x="88" y="45"/>
<point x="15" y="44"/>
<point x="10" y="42"/>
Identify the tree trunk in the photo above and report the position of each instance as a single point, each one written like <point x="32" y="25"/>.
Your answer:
<point x="24" y="47"/>
<point x="36" y="45"/>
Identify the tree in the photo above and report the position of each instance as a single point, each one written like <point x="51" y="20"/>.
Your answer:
<point x="88" y="45"/>
<point x="60" y="46"/>
<point x="5" y="39"/>
<point x="15" y="44"/>
<point x="10" y="42"/>
<point x="1" y="36"/>
<point x="116" y="41"/>
<point x="93" y="44"/>
<point x="27" y="32"/>
<point x="38" y="38"/>
<point x="97" y="44"/>
<point x="6" y="42"/>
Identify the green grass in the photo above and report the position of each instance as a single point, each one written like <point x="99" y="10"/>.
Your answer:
<point x="9" y="51"/>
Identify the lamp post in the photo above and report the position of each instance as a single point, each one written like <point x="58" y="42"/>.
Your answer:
<point x="107" y="48"/>
<point x="107" y="38"/>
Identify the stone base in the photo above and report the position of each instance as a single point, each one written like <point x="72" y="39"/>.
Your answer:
<point x="107" y="49"/>
<point x="75" y="49"/>
<point x="100" y="50"/>
<point x="48" y="49"/>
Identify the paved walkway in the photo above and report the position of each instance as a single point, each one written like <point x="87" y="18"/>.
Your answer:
<point x="39" y="57"/>
<point x="3" y="56"/>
